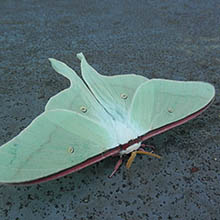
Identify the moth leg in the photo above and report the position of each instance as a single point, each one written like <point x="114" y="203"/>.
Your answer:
<point x="149" y="146"/>
<point x="118" y="164"/>
<point x="146" y="152"/>
<point x="142" y="149"/>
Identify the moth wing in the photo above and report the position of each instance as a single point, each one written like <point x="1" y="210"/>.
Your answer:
<point x="56" y="140"/>
<point x="113" y="92"/>
<point x="77" y="97"/>
<point x="159" y="102"/>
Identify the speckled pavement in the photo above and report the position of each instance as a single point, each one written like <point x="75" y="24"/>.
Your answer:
<point x="158" y="39"/>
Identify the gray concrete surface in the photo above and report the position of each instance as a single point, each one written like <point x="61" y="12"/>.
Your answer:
<point x="157" y="39"/>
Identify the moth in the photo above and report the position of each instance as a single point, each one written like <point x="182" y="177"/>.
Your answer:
<point x="98" y="117"/>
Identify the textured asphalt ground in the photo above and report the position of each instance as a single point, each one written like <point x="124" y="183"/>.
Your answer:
<point x="158" y="39"/>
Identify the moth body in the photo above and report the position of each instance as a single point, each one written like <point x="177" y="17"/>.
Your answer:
<point x="124" y="132"/>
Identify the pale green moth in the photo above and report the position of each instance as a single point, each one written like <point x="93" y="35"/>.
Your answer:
<point x="105" y="116"/>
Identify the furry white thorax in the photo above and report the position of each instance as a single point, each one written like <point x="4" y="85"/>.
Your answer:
<point x="125" y="132"/>
<point x="130" y="149"/>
